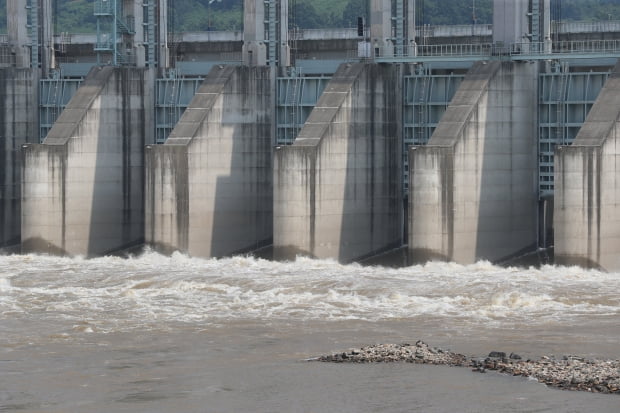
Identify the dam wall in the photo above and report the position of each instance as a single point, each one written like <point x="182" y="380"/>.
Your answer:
<point x="82" y="188"/>
<point x="18" y="125"/>
<point x="209" y="186"/>
<point x="337" y="191"/>
<point x="587" y="187"/>
<point x="473" y="191"/>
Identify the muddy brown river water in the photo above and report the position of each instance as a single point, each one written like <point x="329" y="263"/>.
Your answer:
<point x="178" y="334"/>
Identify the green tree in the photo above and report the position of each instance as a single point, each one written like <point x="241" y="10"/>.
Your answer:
<point x="353" y="10"/>
<point x="304" y="16"/>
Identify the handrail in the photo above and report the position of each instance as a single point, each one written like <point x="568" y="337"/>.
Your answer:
<point x="490" y="49"/>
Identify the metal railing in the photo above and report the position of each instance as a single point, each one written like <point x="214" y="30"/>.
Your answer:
<point x="584" y="47"/>
<point x="604" y="26"/>
<point x="439" y="50"/>
<point x="455" y="31"/>
<point x="576" y="46"/>
<point x="320" y="34"/>
<point x="214" y="36"/>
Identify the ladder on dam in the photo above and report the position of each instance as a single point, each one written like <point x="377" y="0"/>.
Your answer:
<point x="54" y="95"/>
<point x="565" y="98"/>
<point x="150" y="24"/>
<point x="426" y="96"/>
<point x="297" y="95"/>
<point x="173" y="95"/>
<point x="33" y="31"/>
<point x="112" y="27"/>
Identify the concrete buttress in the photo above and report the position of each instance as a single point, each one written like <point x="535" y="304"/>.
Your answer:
<point x="209" y="187"/>
<point x="337" y="191"/>
<point x="587" y="187"/>
<point x="472" y="188"/>
<point x="82" y="188"/>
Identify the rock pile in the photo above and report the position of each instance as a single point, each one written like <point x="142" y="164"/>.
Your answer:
<point x="420" y="353"/>
<point x="568" y="372"/>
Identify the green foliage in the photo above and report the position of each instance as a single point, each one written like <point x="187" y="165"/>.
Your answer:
<point x="199" y="15"/>
<point x="76" y="16"/>
<point x="353" y="10"/>
<point x="304" y="16"/>
<point x="586" y="9"/>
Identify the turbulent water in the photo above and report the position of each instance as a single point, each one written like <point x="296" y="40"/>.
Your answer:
<point x="155" y="333"/>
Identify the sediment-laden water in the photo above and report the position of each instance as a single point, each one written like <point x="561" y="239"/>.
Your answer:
<point x="178" y="334"/>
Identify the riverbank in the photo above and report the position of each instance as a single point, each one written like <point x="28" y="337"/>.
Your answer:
<point x="567" y="372"/>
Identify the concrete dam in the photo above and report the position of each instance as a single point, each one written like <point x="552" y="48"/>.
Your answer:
<point x="458" y="143"/>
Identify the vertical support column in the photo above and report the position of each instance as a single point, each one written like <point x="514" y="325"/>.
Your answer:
<point x="153" y="51"/>
<point x="381" y="27"/>
<point x="48" y="58"/>
<point x="265" y="33"/>
<point x="413" y="49"/>
<point x="137" y="11"/>
<point x="162" y="15"/>
<point x="30" y="33"/>
<point x="547" y="26"/>
<point x="399" y="27"/>
<point x="33" y="31"/>
<point x="18" y="88"/>
<point x="510" y="21"/>
<point x="38" y="34"/>
<point x="128" y="22"/>
<point x="254" y="50"/>
<point x="285" y="51"/>
<point x="271" y="28"/>
<point x="17" y="20"/>
<point x="536" y="34"/>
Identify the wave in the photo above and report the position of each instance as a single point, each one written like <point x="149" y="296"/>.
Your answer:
<point x="152" y="288"/>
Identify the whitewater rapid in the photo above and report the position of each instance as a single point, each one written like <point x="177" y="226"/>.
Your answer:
<point x="151" y="290"/>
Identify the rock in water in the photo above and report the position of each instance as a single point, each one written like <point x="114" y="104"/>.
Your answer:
<point x="497" y="355"/>
<point x="569" y="373"/>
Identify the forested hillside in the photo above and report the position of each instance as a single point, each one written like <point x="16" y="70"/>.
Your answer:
<point x="199" y="15"/>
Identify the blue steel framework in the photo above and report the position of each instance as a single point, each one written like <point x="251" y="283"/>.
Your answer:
<point x="565" y="98"/>
<point x="426" y="96"/>
<point x="296" y="97"/>
<point x="112" y="26"/>
<point x="172" y="97"/>
<point x="54" y="94"/>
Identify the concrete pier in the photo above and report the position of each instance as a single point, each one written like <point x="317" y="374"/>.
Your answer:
<point x="17" y="28"/>
<point x="18" y="125"/>
<point x="473" y="188"/>
<point x="209" y="187"/>
<point x="337" y="190"/>
<point x="587" y="187"/>
<point x="82" y="189"/>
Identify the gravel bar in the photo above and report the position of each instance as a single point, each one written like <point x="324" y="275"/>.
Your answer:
<point x="567" y="372"/>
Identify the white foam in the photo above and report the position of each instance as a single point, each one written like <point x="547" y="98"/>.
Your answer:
<point x="5" y="285"/>
<point x="152" y="288"/>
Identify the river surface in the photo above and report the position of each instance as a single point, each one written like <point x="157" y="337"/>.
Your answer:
<point x="177" y="334"/>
